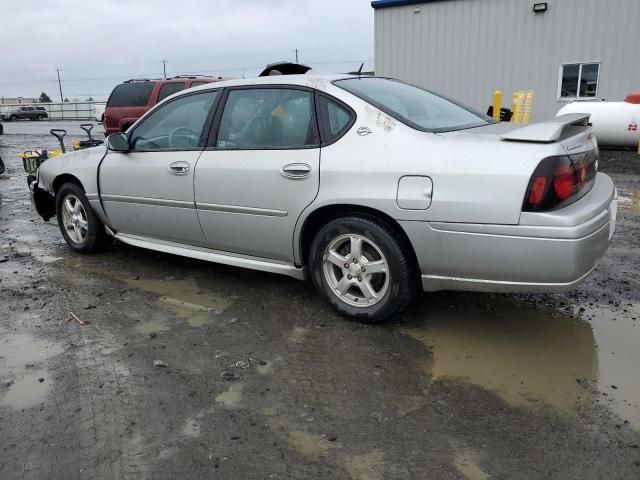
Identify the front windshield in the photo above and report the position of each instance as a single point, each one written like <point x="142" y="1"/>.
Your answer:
<point x="413" y="106"/>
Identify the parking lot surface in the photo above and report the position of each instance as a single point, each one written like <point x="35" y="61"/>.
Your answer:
<point x="176" y="368"/>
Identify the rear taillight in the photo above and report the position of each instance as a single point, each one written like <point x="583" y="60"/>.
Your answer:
<point x="564" y="181"/>
<point x="560" y="181"/>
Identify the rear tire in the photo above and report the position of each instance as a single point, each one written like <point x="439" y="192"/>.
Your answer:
<point x="81" y="228"/>
<point x="363" y="268"/>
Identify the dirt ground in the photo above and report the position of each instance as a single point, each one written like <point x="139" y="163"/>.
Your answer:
<point x="185" y="369"/>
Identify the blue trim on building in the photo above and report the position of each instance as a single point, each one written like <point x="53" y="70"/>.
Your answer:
<point x="395" y="3"/>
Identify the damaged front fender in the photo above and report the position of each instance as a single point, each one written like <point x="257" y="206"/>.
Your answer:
<point x="43" y="201"/>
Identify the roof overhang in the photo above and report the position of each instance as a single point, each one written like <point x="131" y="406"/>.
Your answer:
<point x="396" y="3"/>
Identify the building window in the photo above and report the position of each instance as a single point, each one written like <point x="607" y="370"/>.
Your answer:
<point x="579" y="80"/>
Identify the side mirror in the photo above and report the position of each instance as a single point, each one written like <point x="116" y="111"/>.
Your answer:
<point x="118" y="142"/>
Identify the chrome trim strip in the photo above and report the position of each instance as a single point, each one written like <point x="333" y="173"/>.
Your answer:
<point x="214" y="207"/>
<point x="435" y="283"/>
<point x="236" y="260"/>
<point x="91" y="196"/>
<point x="160" y="202"/>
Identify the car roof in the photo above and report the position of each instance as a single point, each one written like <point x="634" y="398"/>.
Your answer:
<point x="314" y="81"/>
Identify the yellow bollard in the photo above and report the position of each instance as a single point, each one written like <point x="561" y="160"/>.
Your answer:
<point x="497" y="95"/>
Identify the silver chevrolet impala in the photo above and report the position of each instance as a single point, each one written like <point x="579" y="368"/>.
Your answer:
<point x="370" y="186"/>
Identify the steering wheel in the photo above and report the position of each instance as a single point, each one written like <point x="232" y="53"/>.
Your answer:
<point x="183" y="132"/>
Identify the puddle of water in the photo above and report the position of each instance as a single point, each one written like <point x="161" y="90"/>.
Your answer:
<point x="18" y="352"/>
<point x="28" y="245"/>
<point x="185" y="295"/>
<point x="618" y="339"/>
<point x="231" y="398"/>
<point x="466" y="465"/>
<point x="523" y="354"/>
<point x="22" y="365"/>
<point x="196" y="315"/>
<point x="27" y="391"/>
<point x="191" y="428"/>
<point x="156" y="325"/>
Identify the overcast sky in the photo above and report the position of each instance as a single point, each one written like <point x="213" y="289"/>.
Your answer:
<point x="97" y="44"/>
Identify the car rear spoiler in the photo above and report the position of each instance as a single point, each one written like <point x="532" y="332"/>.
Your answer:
<point x="548" y="130"/>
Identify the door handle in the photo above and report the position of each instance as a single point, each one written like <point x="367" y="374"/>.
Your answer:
<point x="296" y="170"/>
<point x="179" y="168"/>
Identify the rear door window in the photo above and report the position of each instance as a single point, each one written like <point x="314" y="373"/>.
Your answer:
<point x="335" y="119"/>
<point x="268" y="118"/>
<point x="169" y="89"/>
<point x="131" y="94"/>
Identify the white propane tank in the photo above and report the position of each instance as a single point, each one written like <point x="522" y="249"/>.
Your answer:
<point x="615" y="124"/>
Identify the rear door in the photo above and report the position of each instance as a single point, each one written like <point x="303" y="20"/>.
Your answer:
<point x="260" y="171"/>
<point x="148" y="191"/>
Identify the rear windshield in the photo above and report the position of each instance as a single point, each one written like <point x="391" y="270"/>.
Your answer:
<point x="131" y="94"/>
<point x="413" y="106"/>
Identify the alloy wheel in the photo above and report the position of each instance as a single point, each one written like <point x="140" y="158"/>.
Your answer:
<point x="74" y="219"/>
<point x="356" y="270"/>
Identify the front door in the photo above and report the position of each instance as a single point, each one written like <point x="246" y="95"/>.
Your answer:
<point x="259" y="172"/>
<point x="148" y="191"/>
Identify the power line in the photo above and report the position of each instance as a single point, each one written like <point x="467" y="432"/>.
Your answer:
<point x="356" y="62"/>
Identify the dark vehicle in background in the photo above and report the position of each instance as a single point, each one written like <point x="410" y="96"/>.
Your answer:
<point x="133" y="98"/>
<point x="23" y="113"/>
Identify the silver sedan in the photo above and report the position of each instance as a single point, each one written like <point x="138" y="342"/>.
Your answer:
<point x="370" y="186"/>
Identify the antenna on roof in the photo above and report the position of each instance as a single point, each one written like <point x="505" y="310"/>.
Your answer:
<point x="360" y="69"/>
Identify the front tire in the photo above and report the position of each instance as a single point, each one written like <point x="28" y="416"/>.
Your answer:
<point x="80" y="227"/>
<point x="363" y="268"/>
<point x="13" y="118"/>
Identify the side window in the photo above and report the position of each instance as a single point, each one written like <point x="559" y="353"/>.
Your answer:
<point x="267" y="118"/>
<point x="178" y="125"/>
<point x="134" y="94"/>
<point x="335" y="119"/>
<point x="169" y="89"/>
<point x="579" y="80"/>
<point x="197" y="83"/>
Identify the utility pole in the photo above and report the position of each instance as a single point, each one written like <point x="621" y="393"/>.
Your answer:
<point x="164" y="68"/>
<point x="297" y="55"/>
<point x="59" y="85"/>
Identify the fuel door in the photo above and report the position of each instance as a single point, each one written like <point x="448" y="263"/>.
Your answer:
<point x="414" y="192"/>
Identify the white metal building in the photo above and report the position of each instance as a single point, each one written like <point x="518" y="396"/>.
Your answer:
<point x="466" y="49"/>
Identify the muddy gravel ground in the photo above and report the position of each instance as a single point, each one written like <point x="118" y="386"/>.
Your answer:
<point x="185" y="369"/>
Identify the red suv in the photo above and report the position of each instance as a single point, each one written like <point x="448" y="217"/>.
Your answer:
<point x="133" y="98"/>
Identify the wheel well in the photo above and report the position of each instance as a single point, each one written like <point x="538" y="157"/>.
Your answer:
<point x="65" y="178"/>
<point x="323" y="215"/>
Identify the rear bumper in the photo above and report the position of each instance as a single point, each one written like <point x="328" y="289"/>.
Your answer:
<point x="546" y="253"/>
